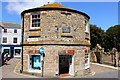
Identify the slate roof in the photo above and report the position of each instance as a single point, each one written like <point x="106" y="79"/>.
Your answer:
<point x="9" y="24"/>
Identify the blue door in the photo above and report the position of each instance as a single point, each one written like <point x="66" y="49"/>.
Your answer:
<point x="37" y="63"/>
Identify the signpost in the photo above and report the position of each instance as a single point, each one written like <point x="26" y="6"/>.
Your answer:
<point x="42" y="51"/>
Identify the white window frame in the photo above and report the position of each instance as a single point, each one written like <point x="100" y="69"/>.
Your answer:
<point x="3" y="40"/>
<point x="87" y="64"/>
<point x="31" y="27"/>
<point x="86" y="26"/>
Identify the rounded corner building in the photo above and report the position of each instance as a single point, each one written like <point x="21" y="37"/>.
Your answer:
<point x="55" y="41"/>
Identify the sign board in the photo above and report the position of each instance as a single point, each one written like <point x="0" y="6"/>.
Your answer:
<point x="32" y="39"/>
<point x="41" y="50"/>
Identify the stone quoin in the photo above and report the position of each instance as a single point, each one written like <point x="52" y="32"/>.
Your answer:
<point x="64" y="34"/>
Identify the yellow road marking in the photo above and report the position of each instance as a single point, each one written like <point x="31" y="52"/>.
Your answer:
<point x="14" y="71"/>
<point x="93" y="73"/>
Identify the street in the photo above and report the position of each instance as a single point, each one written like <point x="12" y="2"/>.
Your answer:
<point x="8" y="71"/>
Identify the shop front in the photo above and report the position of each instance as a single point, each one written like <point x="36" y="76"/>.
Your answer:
<point x="34" y="63"/>
<point x="13" y="51"/>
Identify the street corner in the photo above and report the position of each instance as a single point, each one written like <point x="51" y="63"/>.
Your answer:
<point x="17" y="72"/>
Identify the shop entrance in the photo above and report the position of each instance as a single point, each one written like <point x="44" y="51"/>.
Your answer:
<point x="66" y="64"/>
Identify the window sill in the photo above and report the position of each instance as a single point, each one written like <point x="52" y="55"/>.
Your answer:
<point x="36" y="29"/>
<point x="66" y="34"/>
<point x="32" y="35"/>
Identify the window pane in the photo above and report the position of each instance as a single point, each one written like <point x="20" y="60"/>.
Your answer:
<point x="4" y="40"/>
<point x="38" y="21"/>
<point x="38" y="24"/>
<point x="15" y="40"/>
<point x="66" y="29"/>
<point x="35" y="16"/>
<point x="38" y="16"/>
<point x="15" y="31"/>
<point x="5" y="30"/>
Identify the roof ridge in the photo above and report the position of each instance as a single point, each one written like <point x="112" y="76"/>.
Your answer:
<point x="10" y="22"/>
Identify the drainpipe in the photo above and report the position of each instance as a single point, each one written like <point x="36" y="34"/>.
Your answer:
<point x="22" y="43"/>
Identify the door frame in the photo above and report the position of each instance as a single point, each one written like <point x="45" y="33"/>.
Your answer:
<point x="69" y="65"/>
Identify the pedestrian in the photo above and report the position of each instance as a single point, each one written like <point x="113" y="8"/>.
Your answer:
<point x="6" y="58"/>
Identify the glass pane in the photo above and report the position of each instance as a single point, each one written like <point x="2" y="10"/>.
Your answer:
<point x="38" y="20"/>
<point x="66" y="29"/>
<point x="38" y="16"/>
<point x="35" y="25"/>
<point x="35" y="16"/>
<point x="38" y="24"/>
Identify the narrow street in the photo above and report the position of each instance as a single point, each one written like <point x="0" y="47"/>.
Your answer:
<point x="8" y="70"/>
<point x="99" y="71"/>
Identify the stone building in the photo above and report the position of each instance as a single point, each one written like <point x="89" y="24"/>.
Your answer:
<point x="64" y="34"/>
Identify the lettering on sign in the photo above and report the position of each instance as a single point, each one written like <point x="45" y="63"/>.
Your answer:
<point x="32" y="39"/>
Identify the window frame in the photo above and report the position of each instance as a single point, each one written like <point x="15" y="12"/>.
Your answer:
<point x="4" y="41"/>
<point x="14" y="40"/>
<point x="15" y="30"/>
<point x="66" y="28"/>
<point x="30" y="69"/>
<point x="38" y="19"/>
<point x="5" y="30"/>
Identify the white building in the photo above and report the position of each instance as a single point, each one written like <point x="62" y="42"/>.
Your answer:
<point x="11" y="38"/>
<point x="1" y="27"/>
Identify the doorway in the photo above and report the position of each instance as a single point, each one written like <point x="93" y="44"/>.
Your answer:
<point x="66" y="64"/>
<point x="12" y="52"/>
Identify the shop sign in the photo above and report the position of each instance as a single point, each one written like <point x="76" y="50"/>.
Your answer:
<point x="61" y="51"/>
<point x="71" y="51"/>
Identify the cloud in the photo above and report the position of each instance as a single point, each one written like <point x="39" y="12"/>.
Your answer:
<point x="18" y="6"/>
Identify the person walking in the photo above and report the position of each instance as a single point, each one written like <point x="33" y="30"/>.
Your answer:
<point x="6" y="58"/>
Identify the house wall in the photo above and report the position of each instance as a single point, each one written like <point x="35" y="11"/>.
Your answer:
<point x="0" y="46"/>
<point x="10" y="35"/>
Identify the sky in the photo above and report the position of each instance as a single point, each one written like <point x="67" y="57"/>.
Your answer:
<point x="102" y="14"/>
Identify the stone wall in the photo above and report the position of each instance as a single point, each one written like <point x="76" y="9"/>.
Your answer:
<point x="105" y="57"/>
<point x="51" y="59"/>
<point x="51" y="25"/>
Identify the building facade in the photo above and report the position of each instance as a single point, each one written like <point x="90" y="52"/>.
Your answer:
<point x="1" y="27"/>
<point x="11" y="38"/>
<point x="64" y="34"/>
